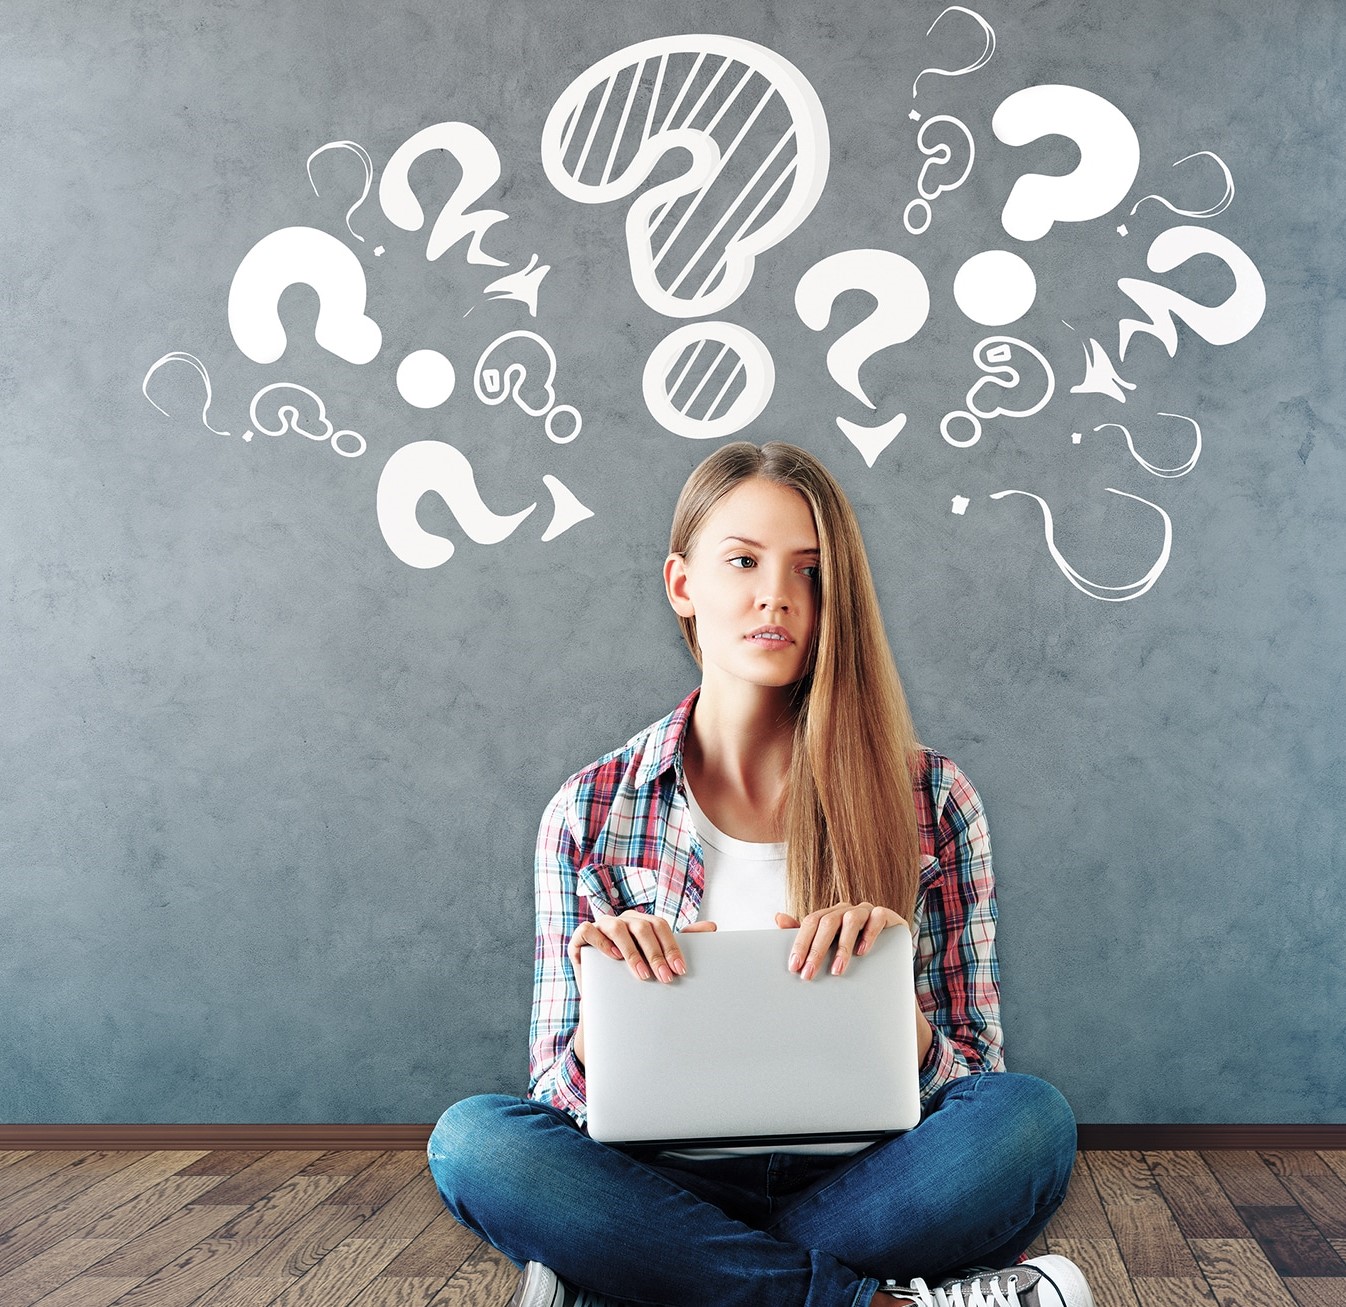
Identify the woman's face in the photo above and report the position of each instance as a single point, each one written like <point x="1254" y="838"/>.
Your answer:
<point x="750" y="582"/>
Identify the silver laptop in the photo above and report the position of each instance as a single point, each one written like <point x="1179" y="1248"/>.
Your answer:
<point x="741" y="1051"/>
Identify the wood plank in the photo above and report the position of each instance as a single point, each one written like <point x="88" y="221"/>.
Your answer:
<point x="1246" y="1178"/>
<point x="259" y="1178"/>
<point x="1239" y="1273"/>
<point x="1317" y="1293"/>
<point x="443" y="1245"/>
<point x="1323" y="1197"/>
<point x="1200" y="1208"/>
<point x="51" y="1268"/>
<point x="1161" y="1291"/>
<point x="54" y="1188"/>
<point x="86" y="1291"/>
<point x="343" y="1161"/>
<point x="1335" y="1159"/>
<point x="1292" y="1243"/>
<point x="1081" y="1215"/>
<point x="155" y="1248"/>
<point x="1101" y="1262"/>
<point x="146" y="1209"/>
<point x="1293" y="1161"/>
<point x="34" y="1167"/>
<point x="489" y="1278"/>
<point x="376" y="1184"/>
<point x="225" y="1161"/>
<point x="406" y="1213"/>
<point x="342" y="1273"/>
<point x="48" y="1227"/>
<point x="399" y="1291"/>
<point x="1146" y="1233"/>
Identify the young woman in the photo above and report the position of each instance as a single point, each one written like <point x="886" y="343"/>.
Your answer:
<point x="788" y="788"/>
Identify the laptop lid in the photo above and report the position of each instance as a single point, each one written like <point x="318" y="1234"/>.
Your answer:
<point x="741" y="1051"/>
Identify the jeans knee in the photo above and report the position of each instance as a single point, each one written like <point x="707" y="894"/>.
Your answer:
<point x="464" y="1137"/>
<point x="1049" y="1126"/>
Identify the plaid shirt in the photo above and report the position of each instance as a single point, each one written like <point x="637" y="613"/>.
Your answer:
<point x="619" y="835"/>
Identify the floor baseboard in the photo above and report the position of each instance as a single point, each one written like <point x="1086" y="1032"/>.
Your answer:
<point x="1097" y="1138"/>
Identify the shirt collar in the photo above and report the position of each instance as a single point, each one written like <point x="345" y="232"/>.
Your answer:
<point x="664" y="749"/>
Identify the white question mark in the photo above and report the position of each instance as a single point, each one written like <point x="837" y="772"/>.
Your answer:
<point x="902" y="304"/>
<point x="939" y="156"/>
<point x="693" y="240"/>
<point x="1218" y="324"/>
<point x="1218" y="207"/>
<point x="1109" y="157"/>
<point x="363" y="155"/>
<point x="302" y="256"/>
<point x="480" y="163"/>
<point x="1112" y="594"/>
<point x="982" y="60"/>
<point x="494" y="383"/>
<point x="287" y="416"/>
<point x="179" y="357"/>
<point x="432" y="465"/>
<point x="995" y="357"/>
<point x="1182" y="469"/>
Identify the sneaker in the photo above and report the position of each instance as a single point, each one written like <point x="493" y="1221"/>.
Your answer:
<point x="1048" y="1281"/>
<point x="540" y="1286"/>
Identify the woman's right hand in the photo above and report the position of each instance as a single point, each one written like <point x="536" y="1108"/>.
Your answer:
<point x="647" y="943"/>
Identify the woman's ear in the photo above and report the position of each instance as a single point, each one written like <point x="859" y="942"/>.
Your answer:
<point x="675" y="584"/>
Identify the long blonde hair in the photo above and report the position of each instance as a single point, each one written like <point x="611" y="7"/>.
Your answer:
<point x="849" y="810"/>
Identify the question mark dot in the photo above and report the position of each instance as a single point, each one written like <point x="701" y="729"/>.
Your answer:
<point x="1076" y="437"/>
<point x="247" y="435"/>
<point x="1121" y="231"/>
<point x="995" y="287"/>
<point x="378" y="251"/>
<point x="425" y="378"/>
<point x="914" y="116"/>
<point x="960" y="504"/>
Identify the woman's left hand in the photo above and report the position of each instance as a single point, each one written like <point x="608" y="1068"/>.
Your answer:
<point x="852" y="926"/>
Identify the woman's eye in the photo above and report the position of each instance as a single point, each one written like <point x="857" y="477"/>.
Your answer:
<point x="811" y="571"/>
<point x="743" y="559"/>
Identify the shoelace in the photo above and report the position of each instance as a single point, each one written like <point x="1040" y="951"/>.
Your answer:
<point x="1000" y="1296"/>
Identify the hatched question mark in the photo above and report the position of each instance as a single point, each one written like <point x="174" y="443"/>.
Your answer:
<point x="902" y="304"/>
<point x="302" y="256"/>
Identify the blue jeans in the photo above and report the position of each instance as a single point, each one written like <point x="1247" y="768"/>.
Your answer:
<point x="974" y="1183"/>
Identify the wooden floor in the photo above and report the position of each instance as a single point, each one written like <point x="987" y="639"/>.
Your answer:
<point x="244" y="1229"/>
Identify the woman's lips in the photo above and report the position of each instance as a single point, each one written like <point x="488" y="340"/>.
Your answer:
<point x="769" y="641"/>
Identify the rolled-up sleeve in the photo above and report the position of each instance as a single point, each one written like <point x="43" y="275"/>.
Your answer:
<point x="957" y="972"/>
<point x="555" y="1075"/>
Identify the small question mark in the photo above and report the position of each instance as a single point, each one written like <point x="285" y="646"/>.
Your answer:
<point x="287" y="415"/>
<point x="673" y="394"/>
<point x="1109" y="157"/>
<point x="1218" y="207"/>
<point x="939" y="155"/>
<point x="982" y="60"/>
<point x="1113" y="594"/>
<point x="179" y="357"/>
<point x="1218" y="324"/>
<point x="495" y="384"/>
<point x="995" y="356"/>
<point x="363" y="155"/>
<point x="1182" y="469"/>
<point x="902" y="304"/>
<point x="480" y="163"/>
<point x="302" y="256"/>
<point x="432" y="465"/>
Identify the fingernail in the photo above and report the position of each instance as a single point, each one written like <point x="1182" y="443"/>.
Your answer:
<point x="862" y="946"/>
<point x="794" y="961"/>
<point x="838" y="967"/>
<point x="679" y="966"/>
<point x="642" y="971"/>
<point x="665" y="974"/>
<point x="808" y="971"/>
